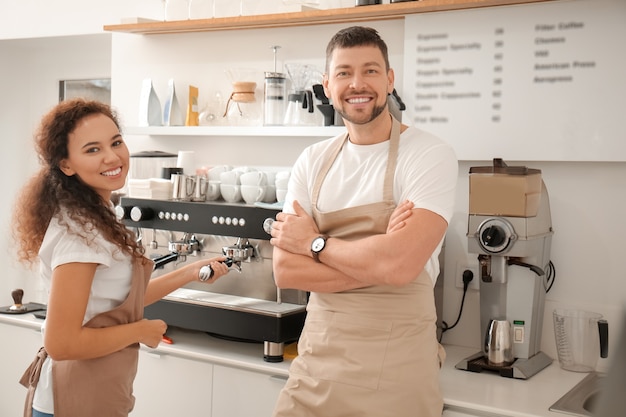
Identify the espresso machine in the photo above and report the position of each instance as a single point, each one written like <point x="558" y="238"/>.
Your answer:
<point x="510" y="230"/>
<point x="245" y="304"/>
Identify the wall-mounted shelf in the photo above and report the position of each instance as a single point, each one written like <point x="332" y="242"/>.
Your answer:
<point x="251" y="131"/>
<point x="309" y="17"/>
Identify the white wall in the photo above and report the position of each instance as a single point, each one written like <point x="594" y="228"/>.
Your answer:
<point x="31" y="70"/>
<point x="587" y="199"/>
<point x="41" y="18"/>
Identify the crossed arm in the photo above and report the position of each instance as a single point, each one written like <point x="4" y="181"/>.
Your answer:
<point x="394" y="258"/>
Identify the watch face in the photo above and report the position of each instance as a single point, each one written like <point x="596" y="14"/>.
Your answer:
<point x="318" y="244"/>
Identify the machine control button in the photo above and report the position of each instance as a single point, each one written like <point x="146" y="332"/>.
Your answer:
<point x="221" y="220"/>
<point x="186" y="217"/>
<point x="141" y="213"/>
<point x="161" y="215"/>
<point x="242" y="222"/>
<point x="235" y="221"/>
<point x="167" y="215"/>
<point x="179" y="216"/>
<point x="214" y="219"/>
<point x="228" y="221"/>
<point x="121" y="212"/>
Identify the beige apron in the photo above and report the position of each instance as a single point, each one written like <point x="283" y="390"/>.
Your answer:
<point x="101" y="386"/>
<point x="371" y="351"/>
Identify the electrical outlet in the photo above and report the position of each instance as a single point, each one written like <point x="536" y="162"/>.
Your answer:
<point x="462" y="266"/>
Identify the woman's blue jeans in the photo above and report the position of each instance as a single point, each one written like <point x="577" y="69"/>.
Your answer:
<point x="40" y="414"/>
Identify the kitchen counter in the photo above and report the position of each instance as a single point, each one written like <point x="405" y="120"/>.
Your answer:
<point x="480" y="394"/>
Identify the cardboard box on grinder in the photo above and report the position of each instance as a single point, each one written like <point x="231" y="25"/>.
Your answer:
<point x="501" y="194"/>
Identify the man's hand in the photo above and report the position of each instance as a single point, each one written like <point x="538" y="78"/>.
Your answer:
<point x="294" y="232"/>
<point x="399" y="215"/>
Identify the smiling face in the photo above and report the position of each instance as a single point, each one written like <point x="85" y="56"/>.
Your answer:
<point x="97" y="154"/>
<point x="358" y="83"/>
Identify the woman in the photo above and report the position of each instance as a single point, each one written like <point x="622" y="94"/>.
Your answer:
<point x="93" y="268"/>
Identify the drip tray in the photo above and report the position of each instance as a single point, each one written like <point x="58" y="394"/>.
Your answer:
<point x="230" y="316"/>
<point x="520" y="369"/>
<point x="234" y="302"/>
<point x="480" y="364"/>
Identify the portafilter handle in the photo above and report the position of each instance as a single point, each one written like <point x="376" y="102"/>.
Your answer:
<point x="206" y="272"/>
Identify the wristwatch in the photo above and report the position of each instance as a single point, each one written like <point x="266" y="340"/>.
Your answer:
<point x="318" y="245"/>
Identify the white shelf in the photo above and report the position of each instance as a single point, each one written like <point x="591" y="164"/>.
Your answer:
<point x="273" y="131"/>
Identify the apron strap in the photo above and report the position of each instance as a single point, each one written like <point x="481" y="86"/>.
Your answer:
<point x="394" y="145"/>
<point x="30" y="379"/>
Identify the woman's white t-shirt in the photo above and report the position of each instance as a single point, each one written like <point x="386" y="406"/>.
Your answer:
<point x="110" y="286"/>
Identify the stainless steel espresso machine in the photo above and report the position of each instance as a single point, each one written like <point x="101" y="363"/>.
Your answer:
<point x="510" y="228"/>
<point x="243" y="305"/>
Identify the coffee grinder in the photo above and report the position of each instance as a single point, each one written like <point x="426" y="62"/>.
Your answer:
<point x="510" y="229"/>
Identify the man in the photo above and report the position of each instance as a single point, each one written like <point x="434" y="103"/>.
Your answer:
<point x="362" y="227"/>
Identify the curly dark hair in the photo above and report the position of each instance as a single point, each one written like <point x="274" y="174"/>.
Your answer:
<point x="354" y="36"/>
<point x="50" y="189"/>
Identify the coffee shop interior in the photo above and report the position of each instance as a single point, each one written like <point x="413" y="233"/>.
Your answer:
<point x="529" y="93"/>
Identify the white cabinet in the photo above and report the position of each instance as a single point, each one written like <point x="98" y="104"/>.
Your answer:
<point x="168" y="385"/>
<point x="243" y="393"/>
<point x="17" y="350"/>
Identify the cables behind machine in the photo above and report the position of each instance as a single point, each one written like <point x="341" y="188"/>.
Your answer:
<point x="468" y="276"/>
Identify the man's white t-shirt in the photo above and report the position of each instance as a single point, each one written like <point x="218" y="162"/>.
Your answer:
<point x="110" y="287"/>
<point x="426" y="174"/>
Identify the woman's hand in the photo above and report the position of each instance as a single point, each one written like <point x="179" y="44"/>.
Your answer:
<point x="402" y="212"/>
<point x="218" y="266"/>
<point x="151" y="332"/>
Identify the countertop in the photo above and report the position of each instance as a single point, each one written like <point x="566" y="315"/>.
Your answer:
<point x="483" y="393"/>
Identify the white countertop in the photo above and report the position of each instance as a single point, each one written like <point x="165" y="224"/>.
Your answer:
<point x="481" y="393"/>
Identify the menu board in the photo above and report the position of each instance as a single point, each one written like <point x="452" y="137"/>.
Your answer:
<point x="533" y="82"/>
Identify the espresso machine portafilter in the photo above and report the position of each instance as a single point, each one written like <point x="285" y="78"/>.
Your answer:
<point x="244" y="306"/>
<point x="510" y="231"/>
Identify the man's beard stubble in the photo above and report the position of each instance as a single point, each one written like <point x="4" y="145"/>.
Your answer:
<point x="376" y="111"/>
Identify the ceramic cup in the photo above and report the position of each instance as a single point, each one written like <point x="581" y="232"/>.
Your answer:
<point x="283" y="174"/>
<point x="253" y="193"/>
<point x="270" y="194"/>
<point x="213" y="190"/>
<point x="281" y="183"/>
<point x="231" y="192"/>
<point x="230" y="177"/>
<point x="271" y="177"/>
<point x="214" y="172"/>
<point x="281" y="193"/>
<point x="255" y="178"/>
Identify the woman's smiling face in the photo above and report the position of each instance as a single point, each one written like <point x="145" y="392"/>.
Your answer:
<point x="97" y="155"/>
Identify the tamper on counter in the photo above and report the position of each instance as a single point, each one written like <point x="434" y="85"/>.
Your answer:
<point x="18" y="307"/>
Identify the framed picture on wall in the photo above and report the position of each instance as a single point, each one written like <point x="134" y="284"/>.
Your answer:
<point x="94" y="89"/>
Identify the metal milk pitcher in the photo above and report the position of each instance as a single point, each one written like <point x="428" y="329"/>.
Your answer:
<point x="499" y="343"/>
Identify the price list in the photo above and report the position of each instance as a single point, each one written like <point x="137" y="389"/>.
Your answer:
<point x="527" y="82"/>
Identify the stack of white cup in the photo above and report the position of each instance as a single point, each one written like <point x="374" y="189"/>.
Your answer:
<point x="230" y="187"/>
<point x="213" y="191"/>
<point x="253" y="186"/>
<point x="282" y="179"/>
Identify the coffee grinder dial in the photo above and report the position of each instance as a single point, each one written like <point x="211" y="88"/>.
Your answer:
<point x="495" y="235"/>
